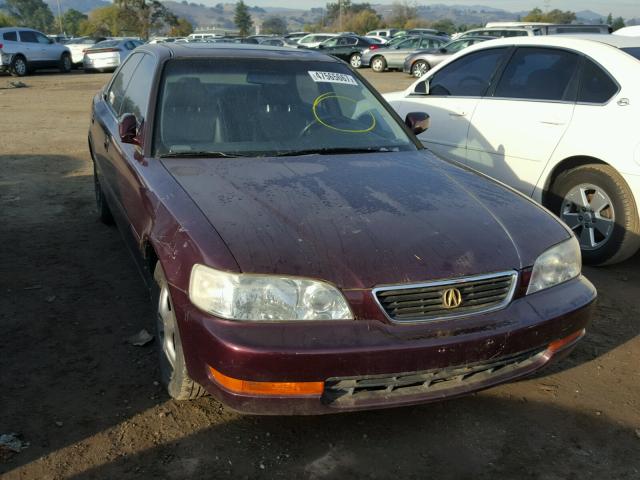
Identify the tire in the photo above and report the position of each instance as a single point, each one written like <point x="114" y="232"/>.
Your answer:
<point x="419" y="68"/>
<point x="607" y="227"/>
<point x="378" y="64"/>
<point x="355" y="60"/>
<point x="104" y="212"/>
<point x="19" y="66"/>
<point x="65" y="63"/>
<point x="173" y="368"/>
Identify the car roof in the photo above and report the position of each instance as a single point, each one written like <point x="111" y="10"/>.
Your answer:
<point x="575" y="41"/>
<point x="238" y="50"/>
<point x="11" y="29"/>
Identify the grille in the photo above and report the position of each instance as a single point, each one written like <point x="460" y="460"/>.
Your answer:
<point x="351" y="390"/>
<point x="425" y="302"/>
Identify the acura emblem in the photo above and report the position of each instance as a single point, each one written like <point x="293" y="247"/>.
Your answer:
<point x="451" y="298"/>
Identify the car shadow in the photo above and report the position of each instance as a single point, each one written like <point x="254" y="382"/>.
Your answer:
<point x="71" y="297"/>
<point x="481" y="437"/>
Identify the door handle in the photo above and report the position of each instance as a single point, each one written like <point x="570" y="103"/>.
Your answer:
<point x="457" y="114"/>
<point x="106" y="143"/>
<point x="548" y="122"/>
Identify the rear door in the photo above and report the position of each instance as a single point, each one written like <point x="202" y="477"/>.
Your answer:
<point x="515" y="130"/>
<point x="453" y="94"/>
<point x="30" y="46"/>
<point x="104" y="133"/>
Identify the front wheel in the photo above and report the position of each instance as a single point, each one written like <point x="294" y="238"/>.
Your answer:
<point x="419" y="68"/>
<point x="355" y="60"/>
<point x="65" y="63"/>
<point x="597" y="204"/>
<point x="378" y="64"/>
<point x="173" y="368"/>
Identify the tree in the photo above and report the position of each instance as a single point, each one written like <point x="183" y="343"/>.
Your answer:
<point x="554" y="16"/>
<point x="402" y="12"/>
<point x="242" y="18"/>
<point x="617" y="24"/>
<point x="444" y="25"/>
<point x="6" y="20"/>
<point x="72" y="21"/>
<point x="182" y="28"/>
<point x="102" y="22"/>
<point x="274" y="24"/>
<point x="30" y="13"/>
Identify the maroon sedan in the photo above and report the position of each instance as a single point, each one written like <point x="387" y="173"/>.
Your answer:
<point x="306" y="254"/>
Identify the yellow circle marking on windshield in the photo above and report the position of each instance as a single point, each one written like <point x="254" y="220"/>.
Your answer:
<point x="326" y="96"/>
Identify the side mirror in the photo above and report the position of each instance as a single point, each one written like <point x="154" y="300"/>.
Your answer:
<point x="418" y="122"/>
<point x="321" y="46"/>
<point x="128" y="129"/>
<point x="443" y="50"/>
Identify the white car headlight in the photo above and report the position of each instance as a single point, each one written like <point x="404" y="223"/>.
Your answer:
<point x="240" y="296"/>
<point x="560" y="263"/>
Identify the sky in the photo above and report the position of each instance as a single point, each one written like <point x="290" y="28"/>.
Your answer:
<point x="624" y="8"/>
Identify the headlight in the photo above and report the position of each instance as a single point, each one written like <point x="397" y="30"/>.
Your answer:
<point x="558" y="264"/>
<point x="265" y="297"/>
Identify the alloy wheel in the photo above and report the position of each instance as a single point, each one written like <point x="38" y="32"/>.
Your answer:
<point x="356" y="61"/>
<point x="588" y="210"/>
<point x="419" y="69"/>
<point x="377" y="65"/>
<point x="166" y="325"/>
<point x="20" y="66"/>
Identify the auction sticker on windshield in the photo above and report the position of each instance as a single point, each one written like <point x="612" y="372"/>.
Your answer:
<point x="332" y="77"/>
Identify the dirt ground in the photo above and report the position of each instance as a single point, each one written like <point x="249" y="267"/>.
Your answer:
<point x="89" y="405"/>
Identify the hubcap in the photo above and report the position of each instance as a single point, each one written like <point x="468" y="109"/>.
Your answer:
<point x="377" y="64"/>
<point x="588" y="211"/>
<point x="419" y="70"/>
<point x="20" y="67"/>
<point x="356" y="60"/>
<point x="167" y="325"/>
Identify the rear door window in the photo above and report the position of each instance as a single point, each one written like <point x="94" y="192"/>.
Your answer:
<point x="469" y="76"/>
<point x="596" y="85"/>
<point x="539" y="74"/>
<point x="10" y="36"/>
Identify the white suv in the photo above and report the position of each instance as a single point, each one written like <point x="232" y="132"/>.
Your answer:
<point x="555" y="117"/>
<point x="23" y="50"/>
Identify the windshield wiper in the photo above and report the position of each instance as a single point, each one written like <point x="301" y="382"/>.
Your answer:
<point x="200" y="154"/>
<point x="330" y="151"/>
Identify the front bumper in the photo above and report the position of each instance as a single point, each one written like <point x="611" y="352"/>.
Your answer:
<point x="364" y="362"/>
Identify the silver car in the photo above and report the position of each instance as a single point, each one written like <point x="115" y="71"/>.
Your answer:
<point x="392" y="57"/>
<point x="419" y="63"/>
<point x="108" y="54"/>
<point x="23" y="50"/>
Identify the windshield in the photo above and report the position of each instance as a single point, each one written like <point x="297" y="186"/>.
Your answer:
<point x="261" y="107"/>
<point x="633" y="51"/>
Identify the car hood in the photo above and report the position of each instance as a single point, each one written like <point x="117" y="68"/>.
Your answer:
<point x="365" y="219"/>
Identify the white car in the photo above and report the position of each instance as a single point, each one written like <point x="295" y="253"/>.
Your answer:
<point x="555" y="117"/>
<point x="79" y="45"/>
<point x="109" y="54"/>
<point x="314" y="39"/>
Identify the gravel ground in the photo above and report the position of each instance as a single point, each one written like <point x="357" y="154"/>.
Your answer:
<point x="89" y="405"/>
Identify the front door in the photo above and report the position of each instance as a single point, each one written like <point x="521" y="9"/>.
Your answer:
<point x="450" y="97"/>
<point x="515" y="131"/>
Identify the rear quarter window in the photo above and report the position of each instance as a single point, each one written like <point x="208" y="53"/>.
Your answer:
<point x="596" y="85"/>
<point x="10" y="36"/>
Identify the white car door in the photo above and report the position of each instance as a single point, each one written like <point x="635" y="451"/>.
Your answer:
<point x="449" y="96"/>
<point x="50" y="51"/>
<point x="517" y="126"/>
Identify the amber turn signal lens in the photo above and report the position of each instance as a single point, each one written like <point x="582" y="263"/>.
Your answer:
<point x="563" y="342"/>
<point x="266" y="388"/>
